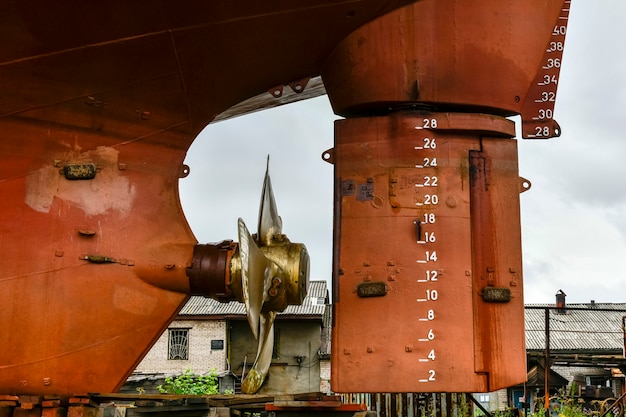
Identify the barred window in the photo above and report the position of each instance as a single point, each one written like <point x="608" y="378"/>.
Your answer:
<point x="178" y="344"/>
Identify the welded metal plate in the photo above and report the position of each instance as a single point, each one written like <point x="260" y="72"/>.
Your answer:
<point x="419" y="235"/>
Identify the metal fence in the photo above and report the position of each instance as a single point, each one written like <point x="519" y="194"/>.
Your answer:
<point x="414" y="404"/>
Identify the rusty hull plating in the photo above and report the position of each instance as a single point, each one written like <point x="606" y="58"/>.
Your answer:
<point x="417" y="212"/>
<point x="94" y="267"/>
<point x="100" y="102"/>
<point x="428" y="287"/>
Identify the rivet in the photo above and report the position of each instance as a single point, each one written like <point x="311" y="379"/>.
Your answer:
<point x="184" y="171"/>
<point x="121" y="166"/>
<point x="390" y="263"/>
<point x="131" y="263"/>
<point x="513" y="283"/>
<point x="391" y="278"/>
<point x="47" y="382"/>
<point x="408" y="348"/>
<point x="169" y="266"/>
<point x="144" y="115"/>
<point x="512" y="270"/>
<point x="276" y="91"/>
<point x="367" y="278"/>
<point x="341" y="271"/>
<point x="276" y="281"/>
<point x="366" y="263"/>
<point x="92" y="101"/>
<point x="58" y="253"/>
<point x="370" y="349"/>
<point x="377" y="201"/>
<point x="451" y="202"/>
<point x="468" y="273"/>
<point x="346" y="351"/>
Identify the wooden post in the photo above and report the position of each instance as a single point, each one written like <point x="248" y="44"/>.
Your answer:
<point x="546" y="381"/>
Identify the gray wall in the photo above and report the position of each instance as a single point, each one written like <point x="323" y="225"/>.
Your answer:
<point x="286" y="376"/>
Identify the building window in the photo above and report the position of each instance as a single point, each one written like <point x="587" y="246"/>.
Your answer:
<point x="178" y="344"/>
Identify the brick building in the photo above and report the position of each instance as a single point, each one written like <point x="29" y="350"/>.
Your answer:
<point x="187" y="344"/>
<point x="209" y="335"/>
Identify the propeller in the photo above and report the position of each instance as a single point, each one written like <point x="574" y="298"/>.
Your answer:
<point x="274" y="274"/>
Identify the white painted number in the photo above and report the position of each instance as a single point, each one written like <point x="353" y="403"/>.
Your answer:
<point x="429" y="218"/>
<point x="542" y="131"/>
<point x="431" y="199"/>
<point x="431" y="374"/>
<point x="548" y="96"/>
<point x="432" y="295"/>
<point x="430" y="181"/>
<point x="431" y="355"/>
<point x="429" y="124"/>
<point x="545" y="113"/>
<point x="552" y="63"/>
<point x="429" y="143"/>
<point x="555" y="47"/>
<point x="431" y="256"/>
<point x="549" y="79"/>
<point x="430" y="162"/>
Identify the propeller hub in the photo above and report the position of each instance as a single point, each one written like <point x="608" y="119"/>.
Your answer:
<point x="209" y="273"/>
<point x="265" y="271"/>
<point x="291" y="278"/>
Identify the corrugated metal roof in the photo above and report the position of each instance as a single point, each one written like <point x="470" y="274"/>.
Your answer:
<point x="577" y="330"/>
<point x="313" y="305"/>
<point x="598" y="329"/>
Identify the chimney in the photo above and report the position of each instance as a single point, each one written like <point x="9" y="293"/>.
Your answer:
<point x="560" y="302"/>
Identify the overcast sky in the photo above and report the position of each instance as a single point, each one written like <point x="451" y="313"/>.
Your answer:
<point x="573" y="217"/>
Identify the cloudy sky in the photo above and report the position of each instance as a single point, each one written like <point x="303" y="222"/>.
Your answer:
<point x="573" y="217"/>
